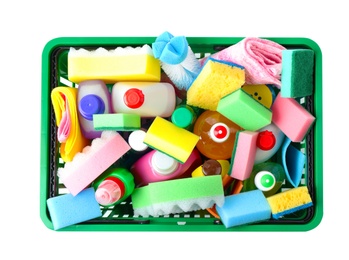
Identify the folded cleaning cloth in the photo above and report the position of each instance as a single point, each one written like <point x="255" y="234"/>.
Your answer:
<point x="260" y="57"/>
<point x="69" y="133"/>
<point x="177" y="59"/>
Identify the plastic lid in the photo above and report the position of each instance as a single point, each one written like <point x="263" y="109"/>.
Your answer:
<point x="219" y="132"/>
<point x="91" y="104"/>
<point x="266" y="140"/>
<point x="109" y="191"/>
<point x="211" y="167"/>
<point x="163" y="164"/>
<point x="134" y="98"/>
<point x="264" y="180"/>
<point x="182" y="117"/>
<point x="135" y="140"/>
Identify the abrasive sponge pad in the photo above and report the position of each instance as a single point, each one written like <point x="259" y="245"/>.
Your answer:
<point x="244" y="110"/>
<point x="289" y="201"/>
<point x="297" y="73"/>
<point x="119" y="64"/>
<point x="244" y="208"/>
<point x="66" y="210"/>
<point x="215" y="80"/>
<point x="170" y="139"/>
<point x="177" y="196"/>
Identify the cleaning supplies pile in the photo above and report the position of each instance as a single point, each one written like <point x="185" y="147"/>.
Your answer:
<point x="174" y="132"/>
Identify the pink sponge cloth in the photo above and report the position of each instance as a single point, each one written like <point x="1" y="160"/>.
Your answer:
<point x="291" y="117"/>
<point x="66" y="210"/>
<point x="92" y="161"/>
<point x="244" y="154"/>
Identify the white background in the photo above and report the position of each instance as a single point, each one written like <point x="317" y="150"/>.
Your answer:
<point x="26" y="26"/>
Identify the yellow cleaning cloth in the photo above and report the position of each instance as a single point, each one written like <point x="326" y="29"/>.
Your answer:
<point x="64" y="101"/>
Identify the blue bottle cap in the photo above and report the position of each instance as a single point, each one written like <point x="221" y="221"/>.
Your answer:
<point x="91" y="104"/>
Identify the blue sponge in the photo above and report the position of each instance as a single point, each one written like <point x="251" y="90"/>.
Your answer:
<point x="244" y="208"/>
<point x="66" y="210"/>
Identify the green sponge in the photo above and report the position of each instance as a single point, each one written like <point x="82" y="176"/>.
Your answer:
<point x="241" y="108"/>
<point x="178" y="195"/>
<point x="116" y="122"/>
<point x="297" y="73"/>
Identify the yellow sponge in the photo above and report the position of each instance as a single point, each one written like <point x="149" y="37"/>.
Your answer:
<point x="289" y="201"/>
<point x="215" y="80"/>
<point x="120" y="64"/>
<point x="170" y="139"/>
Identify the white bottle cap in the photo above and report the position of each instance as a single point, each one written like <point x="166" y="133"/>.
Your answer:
<point x="135" y="140"/>
<point x="264" y="180"/>
<point x="163" y="163"/>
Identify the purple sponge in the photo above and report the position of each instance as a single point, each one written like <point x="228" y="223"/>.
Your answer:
<point x="66" y="210"/>
<point x="244" y="208"/>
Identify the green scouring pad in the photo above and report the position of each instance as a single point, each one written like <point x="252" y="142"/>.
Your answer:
<point x="116" y="122"/>
<point x="297" y="73"/>
<point x="177" y="196"/>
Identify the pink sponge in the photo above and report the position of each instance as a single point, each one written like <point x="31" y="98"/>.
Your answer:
<point x="244" y="154"/>
<point x="92" y="161"/>
<point x="291" y="117"/>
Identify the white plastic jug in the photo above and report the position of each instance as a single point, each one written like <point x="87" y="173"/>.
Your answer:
<point x="148" y="99"/>
<point x="93" y="98"/>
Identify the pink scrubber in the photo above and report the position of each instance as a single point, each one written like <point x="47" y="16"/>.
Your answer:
<point x="92" y="161"/>
<point x="244" y="154"/>
<point x="261" y="58"/>
<point x="291" y="117"/>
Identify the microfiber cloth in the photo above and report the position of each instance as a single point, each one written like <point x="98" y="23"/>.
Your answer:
<point x="69" y="131"/>
<point x="261" y="59"/>
<point x="177" y="59"/>
<point x="293" y="161"/>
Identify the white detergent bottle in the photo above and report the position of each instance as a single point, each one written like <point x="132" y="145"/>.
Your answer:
<point x="93" y="98"/>
<point x="148" y="99"/>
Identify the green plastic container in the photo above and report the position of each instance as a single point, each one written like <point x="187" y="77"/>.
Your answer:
<point x="120" y="217"/>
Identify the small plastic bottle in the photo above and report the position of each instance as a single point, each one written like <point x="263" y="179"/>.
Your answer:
<point x="184" y="116"/>
<point x="93" y="98"/>
<point x="217" y="135"/>
<point x="148" y="99"/>
<point x="157" y="166"/>
<point x="269" y="141"/>
<point x="267" y="177"/>
<point x="212" y="167"/>
<point x="113" y="186"/>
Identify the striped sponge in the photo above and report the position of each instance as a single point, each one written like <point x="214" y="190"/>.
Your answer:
<point x="170" y="139"/>
<point x="177" y="196"/>
<point x="244" y="154"/>
<point x="120" y="64"/>
<point x="215" y="80"/>
<point x="241" y="108"/>
<point x="92" y="161"/>
<point x="292" y="118"/>
<point x="66" y="210"/>
<point x="289" y="201"/>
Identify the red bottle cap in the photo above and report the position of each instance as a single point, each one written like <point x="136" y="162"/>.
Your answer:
<point x="219" y="132"/>
<point x="134" y="98"/>
<point x="266" y="140"/>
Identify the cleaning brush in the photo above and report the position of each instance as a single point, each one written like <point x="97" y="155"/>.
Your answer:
<point x="177" y="59"/>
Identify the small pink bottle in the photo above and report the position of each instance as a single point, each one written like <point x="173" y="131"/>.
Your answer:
<point x="156" y="166"/>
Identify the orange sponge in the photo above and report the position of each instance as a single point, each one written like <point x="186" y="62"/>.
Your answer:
<point x="215" y="80"/>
